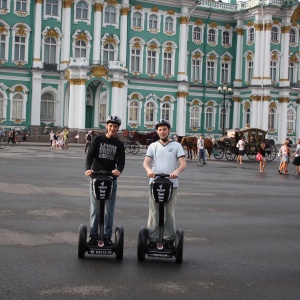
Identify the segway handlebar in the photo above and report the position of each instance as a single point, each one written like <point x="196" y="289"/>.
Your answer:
<point x="162" y="175"/>
<point x="97" y="173"/>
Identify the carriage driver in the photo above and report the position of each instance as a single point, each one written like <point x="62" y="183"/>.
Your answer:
<point x="106" y="153"/>
<point x="168" y="157"/>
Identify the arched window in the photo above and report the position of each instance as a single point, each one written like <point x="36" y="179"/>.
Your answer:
<point x="195" y="117"/>
<point x="211" y="36"/>
<point x="47" y="107"/>
<point x="81" y="10"/>
<point x="292" y="36"/>
<point x="149" y="112"/>
<point x="165" y="111"/>
<point x="80" y="49"/>
<point x="108" y="53"/>
<point x="137" y="19"/>
<point x="20" y="44"/>
<point x="291" y="72"/>
<point x="196" y="69"/>
<point x="134" y="112"/>
<point x="247" y="115"/>
<point x="226" y="39"/>
<point x="271" y="119"/>
<point x="17" y="106"/>
<point x="50" y="51"/>
<point x="110" y="15"/>
<point x="223" y="119"/>
<point x="251" y="35"/>
<point x="153" y="24"/>
<point x="169" y="24"/>
<point x="209" y="117"/>
<point x="197" y="34"/>
<point x="274" y="34"/>
<point x="290" y="119"/>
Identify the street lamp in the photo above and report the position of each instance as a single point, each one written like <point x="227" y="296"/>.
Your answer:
<point x="224" y="90"/>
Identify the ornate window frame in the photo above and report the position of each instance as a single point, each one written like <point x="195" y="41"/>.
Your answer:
<point x="154" y="30"/>
<point x="89" y="12"/>
<point x="4" y="99"/>
<point x="168" y="47"/>
<point x="226" y="58"/>
<point x="170" y="100"/>
<point x="196" y="56"/>
<point x="137" y="43"/>
<point x="227" y="114"/>
<point x="212" y="57"/>
<point x="18" y="89"/>
<point x="151" y="98"/>
<point x="138" y="28"/>
<point x="195" y="104"/>
<point x="46" y="16"/>
<point x="135" y="98"/>
<point x="21" y="30"/>
<point x="169" y="32"/>
<point x="22" y="13"/>
<point x="153" y="46"/>
<point x="246" y="106"/>
<point x="116" y="6"/>
<point x="53" y="33"/>
<point x="249" y="62"/>
<point x="113" y="40"/>
<point x="82" y="36"/>
<point x="229" y="44"/>
<point x="250" y="35"/>
<point x="296" y="31"/>
<point x="211" y="104"/>
<point x="275" y="40"/>
<point x="5" y="30"/>
<point x="293" y="121"/>
<point x="5" y="11"/>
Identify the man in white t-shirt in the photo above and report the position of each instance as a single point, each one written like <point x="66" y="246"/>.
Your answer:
<point x="241" y="146"/>
<point x="168" y="157"/>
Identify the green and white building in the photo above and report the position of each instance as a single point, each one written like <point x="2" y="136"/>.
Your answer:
<point x="72" y="63"/>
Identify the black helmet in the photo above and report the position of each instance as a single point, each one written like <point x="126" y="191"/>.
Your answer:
<point x="163" y="122"/>
<point x="113" y="119"/>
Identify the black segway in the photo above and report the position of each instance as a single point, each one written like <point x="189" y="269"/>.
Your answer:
<point x="161" y="192"/>
<point x="102" y="186"/>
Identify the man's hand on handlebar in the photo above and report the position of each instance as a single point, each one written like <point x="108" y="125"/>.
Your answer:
<point x="88" y="172"/>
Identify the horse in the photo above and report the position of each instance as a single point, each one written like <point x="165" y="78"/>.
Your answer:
<point x="190" y="142"/>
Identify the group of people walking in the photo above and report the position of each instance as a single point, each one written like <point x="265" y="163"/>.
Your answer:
<point x="59" y="139"/>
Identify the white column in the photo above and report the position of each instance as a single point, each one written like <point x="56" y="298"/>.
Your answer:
<point x="123" y="34"/>
<point x="298" y="118"/>
<point x="123" y="105"/>
<point x="282" y="123"/>
<point x="115" y="98"/>
<point x="257" y="68"/>
<point x="254" y="110"/>
<point x="239" y="59"/>
<point x="66" y="34"/>
<point x="183" y="37"/>
<point x="266" y="36"/>
<point x="284" y="63"/>
<point x="265" y="113"/>
<point x="36" y="98"/>
<point x="236" y="112"/>
<point x="181" y="113"/>
<point x="37" y="63"/>
<point x="97" y="33"/>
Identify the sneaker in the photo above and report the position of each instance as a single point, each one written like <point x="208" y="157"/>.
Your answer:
<point x="107" y="241"/>
<point x="278" y="171"/>
<point x="152" y="244"/>
<point x="93" y="242"/>
<point x="169" y="245"/>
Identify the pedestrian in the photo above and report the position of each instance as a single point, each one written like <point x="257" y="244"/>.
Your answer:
<point x="168" y="157"/>
<point x="241" y="145"/>
<point x="296" y="157"/>
<point x="52" y="144"/>
<point x="10" y="136"/>
<point x="107" y="154"/>
<point x="66" y="138"/>
<point x="88" y="140"/>
<point x="284" y="158"/>
<point x="24" y="135"/>
<point x="201" y="150"/>
<point x="263" y="162"/>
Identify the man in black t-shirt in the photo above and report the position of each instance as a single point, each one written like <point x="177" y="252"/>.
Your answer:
<point x="107" y="154"/>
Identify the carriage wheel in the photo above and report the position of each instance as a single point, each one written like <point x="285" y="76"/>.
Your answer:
<point x="218" y="153"/>
<point x="270" y="152"/>
<point x="251" y="155"/>
<point x="134" y="148"/>
<point x="229" y="154"/>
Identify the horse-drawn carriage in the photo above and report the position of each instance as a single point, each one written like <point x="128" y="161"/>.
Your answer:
<point x="136" y="139"/>
<point x="253" y="139"/>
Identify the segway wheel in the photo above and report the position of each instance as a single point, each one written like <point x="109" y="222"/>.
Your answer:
<point x="119" y="243"/>
<point x="142" y="244"/>
<point x="82" y="241"/>
<point x="179" y="245"/>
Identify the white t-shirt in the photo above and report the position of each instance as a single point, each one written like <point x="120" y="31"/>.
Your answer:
<point x="165" y="158"/>
<point x="241" y="145"/>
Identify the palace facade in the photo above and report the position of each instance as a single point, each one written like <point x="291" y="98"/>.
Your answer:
<point x="72" y="63"/>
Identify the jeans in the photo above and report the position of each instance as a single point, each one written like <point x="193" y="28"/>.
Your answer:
<point x="201" y="155"/>
<point x="108" y="214"/>
<point x="153" y="219"/>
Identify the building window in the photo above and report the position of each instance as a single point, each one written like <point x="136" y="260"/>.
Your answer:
<point x="225" y="73"/>
<point x="273" y="71"/>
<point x="210" y="71"/>
<point x="167" y="63"/>
<point x="197" y="35"/>
<point x="80" y="49"/>
<point x="50" y="51"/>
<point x="47" y="107"/>
<point x="251" y="35"/>
<point x="135" y="60"/>
<point x="292" y="36"/>
<point x="21" y="5"/>
<point x="226" y="38"/>
<point x="151" y="62"/>
<point x="150" y="113"/>
<point x="110" y="15"/>
<point x="274" y="34"/>
<point x="223" y="116"/>
<point x="153" y="22"/>
<point x="165" y="111"/>
<point x="271" y="119"/>
<point x="290" y="120"/>
<point x="17" y="106"/>
<point x="134" y="112"/>
<point x="291" y="72"/>
<point x="1" y="106"/>
<point x="196" y="69"/>
<point x="209" y="117"/>
<point x="247" y="115"/>
<point x="102" y="112"/>
<point x="3" y="4"/>
<point x="169" y="24"/>
<point x="249" y="73"/>
<point x="211" y="36"/>
<point x="195" y="117"/>
<point x="81" y="10"/>
<point x="137" y="20"/>
<point x="52" y="7"/>
<point x="108" y="53"/>
<point x="2" y="47"/>
<point x="20" y="44"/>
